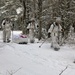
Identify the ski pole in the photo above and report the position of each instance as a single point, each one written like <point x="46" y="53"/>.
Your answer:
<point x="43" y="43"/>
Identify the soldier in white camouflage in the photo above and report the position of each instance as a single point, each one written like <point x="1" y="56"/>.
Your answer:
<point x="55" y="33"/>
<point x="31" y="27"/>
<point x="6" y="26"/>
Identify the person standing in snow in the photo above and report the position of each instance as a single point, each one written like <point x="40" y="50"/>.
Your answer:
<point x="54" y="32"/>
<point x="6" y="26"/>
<point x="31" y="27"/>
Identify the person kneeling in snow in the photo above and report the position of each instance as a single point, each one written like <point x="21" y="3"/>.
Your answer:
<point x="6" y="26"/>
<point x="31" y="27"/>
<point x="53" y="32"/>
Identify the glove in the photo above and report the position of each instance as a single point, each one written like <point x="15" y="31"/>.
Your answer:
<point x="13" y="27"/>
<point x="62" y="30"/>
<point x="4" y="23"/>
<point x="49" y="35"/>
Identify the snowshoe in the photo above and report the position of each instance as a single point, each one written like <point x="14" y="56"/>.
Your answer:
<point x="56" y="49"/>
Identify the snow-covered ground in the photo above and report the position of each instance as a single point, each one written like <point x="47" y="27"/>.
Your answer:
<point x="29" y="59"/>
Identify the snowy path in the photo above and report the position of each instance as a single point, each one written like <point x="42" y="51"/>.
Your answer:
<point x="31" y="60"/>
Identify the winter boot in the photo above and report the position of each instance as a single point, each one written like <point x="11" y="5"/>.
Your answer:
<point x="51" y="46"/>
<point x="22" y="43"/>
<point x="4" y="41"/>
<point x="56" y="49"/>
<point x="8" y="40"/>
<point x="31" y="41"/>
<point x="74" y="61"/>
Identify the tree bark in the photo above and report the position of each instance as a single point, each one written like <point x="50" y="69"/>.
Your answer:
<point x="23" y="19"/>
<point x="39" y="18"/>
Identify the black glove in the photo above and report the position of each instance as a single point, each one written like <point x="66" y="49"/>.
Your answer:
<point x="49" y="35"/>
<point x="4" y="23"/>
<point x="13" y="27"/>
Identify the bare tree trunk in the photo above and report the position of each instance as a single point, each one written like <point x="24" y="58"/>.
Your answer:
<point x="27" y="11"/>
<point x="39" y="17"/>
<point x="34" y="5"/>
<point x="24" y="16"/>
